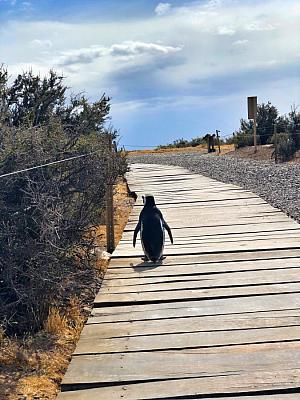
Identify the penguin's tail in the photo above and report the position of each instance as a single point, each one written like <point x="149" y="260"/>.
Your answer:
<point x="156" y="259"/>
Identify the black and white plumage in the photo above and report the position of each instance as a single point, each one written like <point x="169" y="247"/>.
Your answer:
<point x="152" y="227"/>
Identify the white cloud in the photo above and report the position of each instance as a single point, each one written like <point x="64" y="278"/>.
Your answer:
<point x="240" y="43"/>
<point x="259" y="26"/>
<point x="80" y="56"/>
<point x="225" y="30"/>
<point x="126" y="50"/>
<point x="133" y="48"/>
<point x="168" y="54"/>
<point x="38" y="43"/>
<point x="162" y="8"/>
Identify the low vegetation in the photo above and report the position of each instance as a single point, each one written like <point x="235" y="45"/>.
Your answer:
<point x="50" y="216"/>
<point x="284" y="147"/>
<point x="288" y="128"/>
<point x="287" y="141"/>
<point x="181" y="143"/>
<point x="46" y="212"/>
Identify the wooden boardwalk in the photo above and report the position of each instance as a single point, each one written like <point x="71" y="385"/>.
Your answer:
<point x="220" y="318"/>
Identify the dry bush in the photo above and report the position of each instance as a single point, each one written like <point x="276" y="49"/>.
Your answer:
<point x="45" y="253"/>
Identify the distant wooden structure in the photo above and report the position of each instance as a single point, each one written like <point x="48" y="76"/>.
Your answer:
<point x="220" y="318"/>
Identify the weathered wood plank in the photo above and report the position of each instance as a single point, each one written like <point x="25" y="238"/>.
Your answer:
<point x="218" y="307"/>
<point x="243" y="245"/>
<point x="141" y="273"/>
<point x="195" y="340"/>
<point x="199" y="240"/>
<point x="174" y="389"/>
<point x="181" y="363"/>
<point x="219" y="232"/>
<point x="187" y="324"/>
<point x="205" y="293"/>
<point x="205" y="281"/>
<point x="284" y="254"/>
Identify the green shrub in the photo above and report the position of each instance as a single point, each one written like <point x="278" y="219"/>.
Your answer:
<point x="45" y="250"/>
<point x="181" y="143"/>
<point x="285" y="147"/>
<point x="243" y="140"/>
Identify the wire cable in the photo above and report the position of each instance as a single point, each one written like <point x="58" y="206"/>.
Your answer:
<point x="47" y="164"/>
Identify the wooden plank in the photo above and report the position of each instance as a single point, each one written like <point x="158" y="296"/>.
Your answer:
<point x="217" y="232"/>
<point x="196" y="240"/>
<point x="263" y="218"/>
<point x="244" y="278"/>
<point x="213" y="246"/>
<point x="174" y="389"/>
<point x="186" y="324"/>
<point x="142" y="273"/>
<point x="213" y="211"/>
<point x="168" y="295"/>
<point x="243" y="245"/>
<point x="218" y="307"/>
<point x="195" y="340"/>
<point x="194" y="244"/>
<point x="140" y="366"/>
<point x="285" y="254"/>
<point x="197" y="280"/>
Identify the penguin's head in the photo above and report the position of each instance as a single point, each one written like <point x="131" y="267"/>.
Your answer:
<point x="149" y="200"/>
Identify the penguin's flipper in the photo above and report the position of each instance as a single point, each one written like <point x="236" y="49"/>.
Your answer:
<point x="136" y="231"/>
<point x="168" y="229"/>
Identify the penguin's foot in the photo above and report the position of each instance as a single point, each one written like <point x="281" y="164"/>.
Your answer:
<point x="145" y="258"/>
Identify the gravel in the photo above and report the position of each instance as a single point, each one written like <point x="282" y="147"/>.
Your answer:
<point x="278" y="184"/>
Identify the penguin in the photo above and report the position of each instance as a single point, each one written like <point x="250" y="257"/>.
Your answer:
<point x="152" y="226"/>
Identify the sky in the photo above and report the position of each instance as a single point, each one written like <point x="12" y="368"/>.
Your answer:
<point x="172" y="69"/>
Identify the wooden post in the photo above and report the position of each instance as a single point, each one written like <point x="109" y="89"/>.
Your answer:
<point x="218" y="138"/>
<point x="110" y="231"/>
<point x="252" y="112"/>
<point x="275" y="143"/>
<point x="254" y="134"/>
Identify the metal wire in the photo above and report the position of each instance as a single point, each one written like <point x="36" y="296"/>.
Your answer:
<point x="47" y="164"/>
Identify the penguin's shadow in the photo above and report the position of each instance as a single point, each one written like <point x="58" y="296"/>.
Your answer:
<point x="146" y="265"/>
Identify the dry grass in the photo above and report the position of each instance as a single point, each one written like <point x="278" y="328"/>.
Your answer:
<point x="195" y="149"/>
<point x="202" y="149"/>
<point x="32" y="367"/>
<point x="56" y="323"/>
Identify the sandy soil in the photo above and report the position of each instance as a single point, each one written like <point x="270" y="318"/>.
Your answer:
<point x="263" y="153"/>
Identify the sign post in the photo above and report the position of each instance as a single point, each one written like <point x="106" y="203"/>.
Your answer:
<point x="275" y="143"/>
<point x="252" y="112"/>
<point x="218" y="139"/>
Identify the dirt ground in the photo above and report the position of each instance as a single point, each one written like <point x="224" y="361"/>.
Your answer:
<point x="263" y="153"/>
<point x="32" y="367"/>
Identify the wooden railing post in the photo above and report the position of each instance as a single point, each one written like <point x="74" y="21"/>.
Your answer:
<point x="275" y="143"/>
<point x="110" y="229"/>
<point x="218" y="140"/>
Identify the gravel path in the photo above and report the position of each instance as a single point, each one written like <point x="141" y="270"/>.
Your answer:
<point x="278" y="184"/>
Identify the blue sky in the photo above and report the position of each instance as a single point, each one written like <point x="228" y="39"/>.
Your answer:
<point x="173" y="69"/>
